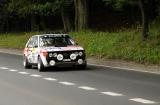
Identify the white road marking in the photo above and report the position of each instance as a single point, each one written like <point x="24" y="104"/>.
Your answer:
<point x="87" y="88"/>
<point x="50" y="79"/>
<point x="144" y="101"/>
<point x="67" y="83"/>
<point x="9" y="52"/>
<point x="112" y="94"/>
<point x="23" y="73"/>
<point x="4" y="68"/>
<point x="35" y="75"/>
<point x="13" y="70"/>
<point x="124" y="68"/>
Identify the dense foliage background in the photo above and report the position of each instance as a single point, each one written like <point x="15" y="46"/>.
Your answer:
<point x="104" y="15"/>
<point x="112" y="29"/>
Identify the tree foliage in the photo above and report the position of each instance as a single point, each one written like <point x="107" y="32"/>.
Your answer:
<point x="75" y="14"/>
<point x="144" y="8"/>
<point x="27" y="7"/>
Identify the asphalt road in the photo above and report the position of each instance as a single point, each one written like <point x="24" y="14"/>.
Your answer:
<point x="67" y="86"/>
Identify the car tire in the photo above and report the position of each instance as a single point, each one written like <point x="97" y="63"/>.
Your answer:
<point x="26" y="63"/>
<point x="40" y="65"/>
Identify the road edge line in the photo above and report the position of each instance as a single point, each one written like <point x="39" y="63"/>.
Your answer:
<point x="124" y="68"/>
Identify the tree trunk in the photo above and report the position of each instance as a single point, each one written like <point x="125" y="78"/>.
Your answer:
<point x="27" y="24"/>
<point x="81" y="14"/>
<point x="145" y="24"/>
<point x="76" y="14"/>
<point x="66" y="19"/>
<point x="67" y="15"/>
<point x="42" y="25"/>
<point x="33" y="23"/>
<point x="152" y="7"/>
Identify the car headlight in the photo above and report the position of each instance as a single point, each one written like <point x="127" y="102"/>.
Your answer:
<point x="60" y="57"/>
<point x="73" y="56"/>
<point x="76" y="53"/>
<point x="54" y="54"/>
<point x="50" y="55"/>
<point x="52" y="62"/>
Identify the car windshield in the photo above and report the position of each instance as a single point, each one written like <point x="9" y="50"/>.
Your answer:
<point x="57" y="41"/>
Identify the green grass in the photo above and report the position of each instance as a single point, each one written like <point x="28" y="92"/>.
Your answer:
<point x="126" y="45"/>
<point x="15" y="40"/>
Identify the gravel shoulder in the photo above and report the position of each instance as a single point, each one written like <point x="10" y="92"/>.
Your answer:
<point x="116" y="64"/>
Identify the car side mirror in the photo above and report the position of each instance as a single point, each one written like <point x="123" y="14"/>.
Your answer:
<point x="35" y="46"/>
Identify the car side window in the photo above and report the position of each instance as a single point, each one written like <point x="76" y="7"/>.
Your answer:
<point x="33" y="42"/>
<point x="30" y="42"/>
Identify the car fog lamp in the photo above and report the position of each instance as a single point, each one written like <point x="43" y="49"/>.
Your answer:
<point x="73" y="56"/>
<point x="80" y="61"/>
<point x="52" y="62"/>
<point x="60" y="57"/>
<point x="54" y="54"/>
<point x="76" y="53"/>
<point x="50" y="55"/>
<point x="80" y="53"/>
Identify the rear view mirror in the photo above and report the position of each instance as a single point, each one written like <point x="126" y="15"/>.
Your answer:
<point x="35" y="46"/>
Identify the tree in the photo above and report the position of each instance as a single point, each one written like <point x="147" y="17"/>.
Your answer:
<point x="3" y="17"/>
<point x="145" y="22"/>
<point x="70" y="10"/>
<point x="81" y="14"/>
<point x="65" y="7"/>
<point x="31" y="10"/>
<point x="143" y="5"/>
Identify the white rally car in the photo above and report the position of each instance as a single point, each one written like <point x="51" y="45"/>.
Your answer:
<point x="50" y="50"/>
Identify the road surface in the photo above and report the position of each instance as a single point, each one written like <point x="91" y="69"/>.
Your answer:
<point x="67" y="86"/>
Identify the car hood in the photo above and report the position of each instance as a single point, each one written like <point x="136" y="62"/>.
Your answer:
<point x="67" y="48"/>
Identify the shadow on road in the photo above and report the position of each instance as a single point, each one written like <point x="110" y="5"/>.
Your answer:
<point x="65" y="69"/>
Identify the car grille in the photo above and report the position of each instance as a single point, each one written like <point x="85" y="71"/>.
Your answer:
<point x="66" y="54"/>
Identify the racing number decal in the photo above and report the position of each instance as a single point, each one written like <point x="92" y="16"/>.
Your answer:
<point x="29" y="54"/>
<point x="34" y="55"/>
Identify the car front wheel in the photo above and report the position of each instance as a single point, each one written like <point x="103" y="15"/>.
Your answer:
<point x="40" y="65"/>
<point x="26" y="63"/>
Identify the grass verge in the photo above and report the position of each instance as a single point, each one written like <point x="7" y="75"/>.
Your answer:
<point x="125" y="45"/>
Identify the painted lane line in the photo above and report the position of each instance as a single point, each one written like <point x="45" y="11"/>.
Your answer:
<point x="4" y="68"/>
<point x="144" y="101"/>
<point x="13" y="70"/>
<point x="67" y="83"/>
<point x="124" y="68"/>
<point x="50" y="79"/>
<point x="23" y="73"/>
<point x="112" y="94"/>
<point x="87" y="88"/>
<point x="35" y="75"/>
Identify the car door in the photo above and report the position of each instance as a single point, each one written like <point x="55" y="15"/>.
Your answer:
<point x="29" y="50"/>
<point x="35" y="49"/>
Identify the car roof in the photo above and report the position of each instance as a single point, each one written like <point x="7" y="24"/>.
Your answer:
<point x="51" y="35"/>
